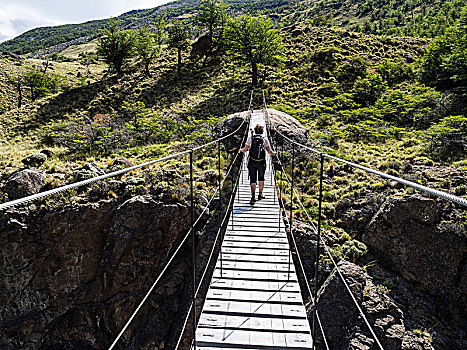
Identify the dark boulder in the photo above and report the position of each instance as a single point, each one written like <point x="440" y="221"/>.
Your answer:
<point x="71" y="277"/>
<point x="406" y="233"/>
<point x="34" y="160"/>
<point x="343" y="326"/>
<point x="200" y="47"/>
<point x="123" y="162"/>
<point x="94" y="168"/>
<point x="24" y="183"/>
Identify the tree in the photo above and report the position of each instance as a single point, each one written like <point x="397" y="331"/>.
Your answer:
<point x="254" y="41"/>
<point x="116" y="47"/>
<point x="213" y="17"/>
<point x="148" y="43"/>
<point x="40" y="83"/>
<point x="179" y="39"/>
<point x="444" y="62"/>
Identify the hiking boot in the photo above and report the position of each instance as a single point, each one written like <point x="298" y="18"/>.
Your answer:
<point x="252" y="200"/>
<point x="261" y="196"/>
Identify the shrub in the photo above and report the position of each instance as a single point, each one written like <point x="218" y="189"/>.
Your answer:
<point x="353" y="249"/>
<point x="449" y="136"/>
<point x="395" y="72"/>
<point x="368" y="89"/>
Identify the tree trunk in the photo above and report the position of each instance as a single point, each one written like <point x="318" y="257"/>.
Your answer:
<point x="179" y="64"/>
<point x="146" y="65"/>
<point x="20" y="94"/>
<point x="254" y="72"/>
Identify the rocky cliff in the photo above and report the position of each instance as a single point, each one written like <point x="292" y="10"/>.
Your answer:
<point x="71" y="277"/>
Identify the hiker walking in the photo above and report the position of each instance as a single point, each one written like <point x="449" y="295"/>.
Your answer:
<point x="258" y="146"/>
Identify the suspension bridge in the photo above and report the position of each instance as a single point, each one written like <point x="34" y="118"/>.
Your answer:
<point x="254" y="300"/>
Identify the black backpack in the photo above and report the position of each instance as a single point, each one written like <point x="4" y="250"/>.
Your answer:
<point x="257" y="150"/>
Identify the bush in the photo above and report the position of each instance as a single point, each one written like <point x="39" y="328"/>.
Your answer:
<point x="352" y="250"/>
<point x="449" y="136"/>
<point x="368" y="89"/>
<point x="395" y="72"/>
<point x="444" y="62"/>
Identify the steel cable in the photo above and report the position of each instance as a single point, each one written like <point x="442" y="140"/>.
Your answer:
<point x="176" y="251"/>
<point x="232" y="196"/>
<point x="109" y="175"/>
<point x="303" y="271"/>
<point x="334" y="263"/>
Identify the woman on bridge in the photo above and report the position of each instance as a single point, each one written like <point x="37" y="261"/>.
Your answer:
<point x="257" y="160"/>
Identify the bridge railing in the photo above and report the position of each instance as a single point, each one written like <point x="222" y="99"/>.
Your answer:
<point x="228" y="176"/>
<point x="316" y="322"/>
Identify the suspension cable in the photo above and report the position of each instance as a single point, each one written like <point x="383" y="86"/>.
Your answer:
<point x="291" y="231"/>
<point x="334" y="263"/>
<point x="232" y="196"/>
<point x="109" y="175"/>
<point x="281" y="203"/>
<point x="175" y="253"/>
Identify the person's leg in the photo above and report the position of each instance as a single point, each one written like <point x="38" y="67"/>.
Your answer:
<point x="253" y="177"/>
<point x="261" y="171"/>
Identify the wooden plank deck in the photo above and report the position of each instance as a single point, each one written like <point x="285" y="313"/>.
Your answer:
<point x="255" y="302"/>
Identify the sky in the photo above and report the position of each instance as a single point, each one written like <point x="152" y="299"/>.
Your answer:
<point x="19" y="16"/>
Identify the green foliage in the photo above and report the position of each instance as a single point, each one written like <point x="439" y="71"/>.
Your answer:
<point x="149" y="42"/>
<point x="353" y="250"/>
<point x="395" y="72"/>
<point x="417" y="107"/>
<point x="254" y="41"/>
<point x="368" y="89"/>
<point x="179" y="35"/>
<point x="449" y="136"/>
<point x="40" y="83"/>
<point x="444" y="62"/>
<point x="349" y="71"/>
<point x="213" y="17"/>
<point x="116" y="47"/>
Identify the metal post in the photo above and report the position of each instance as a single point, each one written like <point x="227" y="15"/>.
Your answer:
<point x="291" y="201"/>
<point x="232" y="194"/>
<point x="219" y="172"/>
<point x="321" y="174"/>
<point x="280" y="189"/>
<point x="193" y="247"/>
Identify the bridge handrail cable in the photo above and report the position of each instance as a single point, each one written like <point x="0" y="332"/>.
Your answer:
<point x="432" y="191"/>
<point x="185" y="238"/>
<point x="219" y="231"/>
<point x="281" y="204"/>
<point x="60" y="189"/>
<point x="327" y="251"/>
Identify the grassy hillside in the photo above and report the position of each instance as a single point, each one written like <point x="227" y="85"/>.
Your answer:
<point x="45" y="37"/>
<point x="398" y="17"/>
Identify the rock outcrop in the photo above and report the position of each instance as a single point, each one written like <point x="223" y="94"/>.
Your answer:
<point x="286" y="124"/>
<point x="24" y="183"/>
<point x="72" y="277"/>
<point x="343" y="326"/>
<point x="406" y="235"/>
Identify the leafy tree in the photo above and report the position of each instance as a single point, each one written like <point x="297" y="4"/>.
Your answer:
<point x="254" y="40"/>
<point x="444" y="62"/>
<point x="395" y="72"/>
<point x="40" y="83"/>
<point x="368" y="89"/>
<point x="213" y="17"/>
<point x="178" y="39"/>
<point x="148" y="43"/>
<point x="449" y="136"/>
<point x="116" y="47"/>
